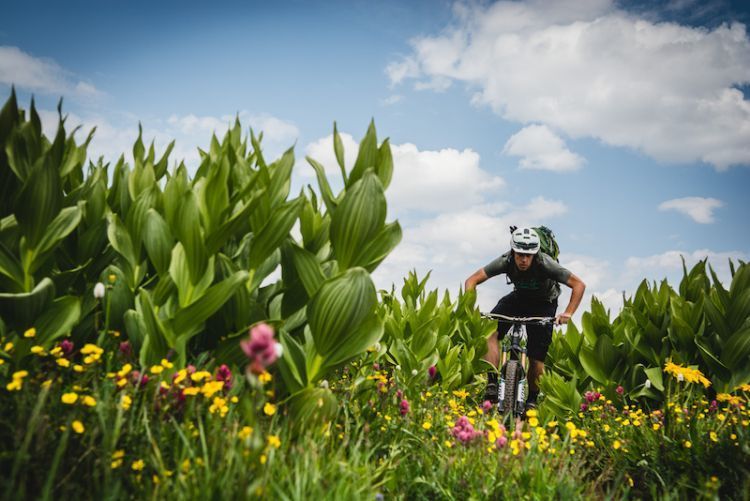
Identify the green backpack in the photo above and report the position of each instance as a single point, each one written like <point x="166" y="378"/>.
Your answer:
<point x="547" y="242"/>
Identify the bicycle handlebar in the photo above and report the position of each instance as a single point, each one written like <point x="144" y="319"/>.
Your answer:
<point x="519" y="320"/>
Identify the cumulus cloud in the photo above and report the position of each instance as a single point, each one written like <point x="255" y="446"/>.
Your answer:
<point x="426" y="181"/>
<point x="589" y="69"/>
<point x="542" y="149"/>
<point x="700" y="209"/>
<point x="41" y="75"/>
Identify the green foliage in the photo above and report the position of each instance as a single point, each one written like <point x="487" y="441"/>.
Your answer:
<point x="422" y="331"/>
<point x="700" y="324"/>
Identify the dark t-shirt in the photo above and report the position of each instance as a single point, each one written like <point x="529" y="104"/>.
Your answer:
<point x="540" y="281"/>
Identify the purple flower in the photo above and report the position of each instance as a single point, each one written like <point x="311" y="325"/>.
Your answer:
<point x="125" y="349"/>
<point x="66" y="346"/>
<point x="224" y="374"/>
<point x="592" y="396"/>
<point x="260" y="348"/>
<point x="584" y="407"/>
<point x="432" y="372"/>
<point x="404" y="407"/>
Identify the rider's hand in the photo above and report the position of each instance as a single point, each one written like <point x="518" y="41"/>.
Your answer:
<point x="562" y="318"/>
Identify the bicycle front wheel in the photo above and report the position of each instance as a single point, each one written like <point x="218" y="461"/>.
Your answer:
<point x="512" y="376"/>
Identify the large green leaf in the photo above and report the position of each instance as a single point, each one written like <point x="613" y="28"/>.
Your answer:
<point x="188" y="231"/>
<point x="39" y="201"/>
<point x="187" y="291"/>
<point x="712" y="361"/>
<point x="367" y="156"/>
<point x="338" y="309"/>
<point x="372" y="254"/>
<point x="57" y="320"/>
<point x="358" y="219"/>
<point x="10" y="266"/>
<point x="120" y="239"/>
<point x="186" y="320"/>
<point x="735" y="354"/>
<point x="21" y="310"/>
<point x="158" y="240"/>
<point x="273" y="233"/>
<point x="60" y="227"/>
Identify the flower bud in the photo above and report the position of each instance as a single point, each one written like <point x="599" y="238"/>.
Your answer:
<point x="99" y="290"/>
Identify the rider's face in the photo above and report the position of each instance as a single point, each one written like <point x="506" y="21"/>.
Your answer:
<point x="523" y="261"/>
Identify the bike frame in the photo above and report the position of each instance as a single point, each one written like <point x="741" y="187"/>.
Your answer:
<point x="512" y="350"/>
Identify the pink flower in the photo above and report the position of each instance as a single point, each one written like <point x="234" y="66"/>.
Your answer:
<point x="404" y="407"/>
<point x="620" y="390"/>
<point x="592" y="396"/>
<point x="432" y="372"/>
<point x="399" y="393"/>
<point x="501" y="441"/>
<point x="135" y="376"/>
<point x="125" y="349"/>
<point x="464" y="431"/>
<point x="376" y="366"/>
<point x="66" y="346"/>
<point x="260" y="348"/>
<point x="584" y="407"/>
<point x="487" y="405"/>
<point x="224" y="374"/>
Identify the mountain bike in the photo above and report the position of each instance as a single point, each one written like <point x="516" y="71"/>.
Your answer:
<point x="514" y="363"/>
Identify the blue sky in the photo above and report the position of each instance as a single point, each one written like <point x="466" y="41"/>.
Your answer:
<point x="624" y="126"/>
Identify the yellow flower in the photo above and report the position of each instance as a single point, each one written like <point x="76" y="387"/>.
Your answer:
<point x="686" y="373"/>
<point x="211" y="387"/>
<point x="156" y="369"/>
<point x="37" y="350"/>
<point x="245" y="432"/>
<point x="616" y="444"/>
<point x="269" y="409"/>
<point x="606" y="428"/>
<point x="426" y="425"/>
<point x="118" y="454"/>
<point x="78" y="427"/>
<point x="462" y="394"/>
<point x="448" y="444"/>
<point x="125" y="370"/>
<point x="125" y="402"/>
<point x="656" y="426"/>
<point x="69" y="398"/>
<point x="265" y="377"/>
<point x="200" y="376"/>
<point x="89" y="401"/>
<point x="166" y="363"/>
<point x="714" y="437"/>
<point x="688" y="444"/>
<point x="8" y="347"/>
<point x="263" y="459"/>
<point x="531" y="413"/>
<point x="274" y="441"/>
<point x="78" y="368"/>
<point x="192" y="391"/>
<point x="570" y="426"/>
<point x="116" y="463"/>
<point x="63" y="362"/>
<point x="29" y="332"/>
<point x="137" y="465"/>
<point x="533" y="422"/>
<point x="219" y="404"/>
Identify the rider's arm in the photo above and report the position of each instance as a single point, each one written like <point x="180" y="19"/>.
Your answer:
<point x="577" y="286"/>
<point x="475" y="279"/>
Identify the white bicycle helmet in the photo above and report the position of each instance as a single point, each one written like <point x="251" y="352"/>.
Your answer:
<point x="524" y="241"/>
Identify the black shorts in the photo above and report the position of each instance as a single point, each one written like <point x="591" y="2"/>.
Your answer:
<point x="539" y="336"/>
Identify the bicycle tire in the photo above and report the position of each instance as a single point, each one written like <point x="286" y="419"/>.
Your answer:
<point x="512" y="373"/>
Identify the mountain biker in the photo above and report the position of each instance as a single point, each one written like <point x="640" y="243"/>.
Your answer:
<point x="536" y="278"/>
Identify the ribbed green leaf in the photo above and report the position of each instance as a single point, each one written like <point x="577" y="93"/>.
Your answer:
<point x="157" y="335"/>
<point x="367" y="157"/>
<point x="10" y="266"/>
<point x="281" y="173"/>
<point x="214" y="198"/>
<point x="158" y="240"/>
<point x="273" y="233"/>
<point x="325" y="188"/>
<point x="120" y="240"/>
<point x="57" y="320"/>
<point x="359" y="218"/>
<point x="187" y="291"/>
<point x="716" y="365"/>
<point x="188" y="231"/>
<point x="39" y="201"/>
<point x="338" y="148"/>
<point x="60" y="227"/>
<point x="338" y="309"/>
<point x="735" y="354"/>
<point x="385" y="163"/>
<point x="372" y="254"/>
<point x="292" y="363"/>
<point x="22" y="310"/>
<point x="194" y="315"/>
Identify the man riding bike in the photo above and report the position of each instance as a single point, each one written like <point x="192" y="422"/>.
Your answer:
<point x="536" y="278"/>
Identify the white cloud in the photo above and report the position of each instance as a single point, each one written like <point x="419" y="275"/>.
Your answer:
<point x="542" y="149"/>
<point x="588" y="69"/>
<point x="423" y="181"/>
<point x="700" y="209"/>
<point x="391" y="100"/>
<point x="41" y="75"/>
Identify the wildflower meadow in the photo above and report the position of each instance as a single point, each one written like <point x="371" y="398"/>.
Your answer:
<point x="212" y="335"/>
